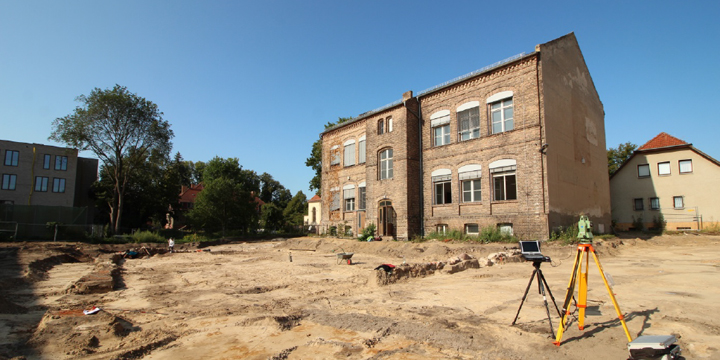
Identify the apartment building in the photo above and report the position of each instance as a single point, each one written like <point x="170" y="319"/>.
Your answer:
<point x="36" y="174"/>
<point x="666" y="179"/>
<point x="518" y="145"/>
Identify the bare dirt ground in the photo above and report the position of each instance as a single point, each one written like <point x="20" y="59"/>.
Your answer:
<point x="247" y="300"/>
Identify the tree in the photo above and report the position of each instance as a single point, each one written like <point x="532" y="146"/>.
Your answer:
<point x="296" y="210"/>
<point x="122" y="129"/>
<point x="272" y="217"/>
<point x="616" y="157"/>
<point x="315" y="159"/>
<point x="226" y="199"/>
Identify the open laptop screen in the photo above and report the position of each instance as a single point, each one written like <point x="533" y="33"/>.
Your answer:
<point x="529" y="247"/>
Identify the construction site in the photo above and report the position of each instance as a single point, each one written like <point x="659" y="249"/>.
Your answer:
<point x="329" y="298"/>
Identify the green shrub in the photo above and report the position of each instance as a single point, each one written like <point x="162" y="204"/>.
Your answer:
<point x="490" y="234"/>
<point x="367" y="232"/>
<point x="567" y="235"/>
<point x="659" y="223"/>
<point x="192" y="238"/>
<point x="333" y="230"/>
<point x="638" y="224"/>
<point x="147" y="237"/>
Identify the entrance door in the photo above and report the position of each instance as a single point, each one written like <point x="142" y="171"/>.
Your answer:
<point x="386" y="219"/>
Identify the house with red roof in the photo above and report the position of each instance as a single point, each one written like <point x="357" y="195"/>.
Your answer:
<point x="312" y="219"/>
<point x="666" y="179"/>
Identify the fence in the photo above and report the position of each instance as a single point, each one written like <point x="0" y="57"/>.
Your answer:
<point x="37" y="222"/>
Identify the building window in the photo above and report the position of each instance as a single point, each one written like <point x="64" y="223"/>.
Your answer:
<point x="643" y="170"/>
<point x="654" y="203"/>
<point x="505" y="229"/>
<point x="61" y="162"/>
<point x="501" y="113"/>
<point x="335" y="199"/>
<point x="314" y="215"/>
<point x="469" y="176"/>
<point x="361" y="197"/>
<point x="58" y="185"/>
<point x="441" y="135"/>
<point x="503" y="179"/>
<point x="46" y="161"/>
<point x="678" y="202"/>
<point x="442" y="186"/>
<point x="334" y="155"/>
<point x="12" y="157"/>
<point x="664" y="168"/>
<point x="638" y="204"/>
<point x="441" y="229"/>
<point x="389" y="125"/>
<point x="9" y="181"/>
<point x="381" y="126"/>
<point x="685" y="166"/>
<point x="41" y="183"/>
<point x="468" y="116"/>
<point x="349" y="157"/>
<point x="440" y="124"/>
<point x="472" y="229"/>
<point x="349" y="196"/>
<point x="361" y="150"/>
<point x="386" y="164"/>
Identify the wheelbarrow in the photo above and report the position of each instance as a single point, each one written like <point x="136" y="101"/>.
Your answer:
<point x="344" y="256"/>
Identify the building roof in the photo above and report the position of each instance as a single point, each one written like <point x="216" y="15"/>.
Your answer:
<point x="188" y="194"/>
<point x="315" y="198"/>
<point x="662" y="140"/>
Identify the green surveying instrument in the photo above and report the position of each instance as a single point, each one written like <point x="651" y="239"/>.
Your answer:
<point x="583" y="253"/>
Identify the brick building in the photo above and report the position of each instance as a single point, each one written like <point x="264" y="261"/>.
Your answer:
<point x="518" y="145"/>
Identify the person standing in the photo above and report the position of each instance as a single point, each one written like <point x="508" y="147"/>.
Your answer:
<point x="171" y="244"/>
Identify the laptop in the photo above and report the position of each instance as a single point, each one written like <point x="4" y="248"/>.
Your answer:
<point x="531" y="251"/>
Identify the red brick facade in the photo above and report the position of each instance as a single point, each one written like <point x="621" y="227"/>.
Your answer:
<point x="455" y="168"/>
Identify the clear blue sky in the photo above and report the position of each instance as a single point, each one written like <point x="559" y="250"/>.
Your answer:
<point x="257" y="80"/>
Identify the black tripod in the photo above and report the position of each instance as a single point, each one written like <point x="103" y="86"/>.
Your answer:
<point x="541" y="289"/>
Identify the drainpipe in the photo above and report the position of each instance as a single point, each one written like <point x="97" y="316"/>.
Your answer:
<point x="543" y="146"/>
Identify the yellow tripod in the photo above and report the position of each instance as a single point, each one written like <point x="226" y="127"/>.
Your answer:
<point x="582" y="275"/>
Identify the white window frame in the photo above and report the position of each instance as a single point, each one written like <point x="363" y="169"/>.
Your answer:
<point x="499" y="103"/>
<point x="389" y="124"/>
<point x="386" y="164"/>
<point x="334" y="199"/>
<point x="334" y="156"/>
<point x="469" y="112"/>
<point x="688" y="169"/>
<point x="440" y="120"/>
<point x="664" y="168"/>
<point x="471" y="174"/>
<point x="506" y="229"/>
<point x="349" y="153"/>
<point x="469" y="227"/>
<point x="443" y="138"/>
<point x="646" y="168"/>
<point x="349" y="197"/>
<point x="441" y="229"/>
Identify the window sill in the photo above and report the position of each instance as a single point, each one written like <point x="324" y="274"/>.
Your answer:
<point x="503" y="201"/>
<point x="643" y="177"/>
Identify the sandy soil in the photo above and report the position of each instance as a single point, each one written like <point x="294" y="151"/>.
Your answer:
<point x="247" y="300"/>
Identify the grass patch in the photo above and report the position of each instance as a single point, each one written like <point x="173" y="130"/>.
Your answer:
<point x="487" y="234"/>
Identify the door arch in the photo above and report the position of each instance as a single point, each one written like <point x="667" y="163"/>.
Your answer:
<point x="387" y="218"/>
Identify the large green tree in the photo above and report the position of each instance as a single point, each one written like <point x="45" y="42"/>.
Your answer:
<point x="226" y="201"/>
<point x="123" y="130"/>
<point x="296" y="210"/>
<point x="315" y="159"/>
<point x="617" y="156"/>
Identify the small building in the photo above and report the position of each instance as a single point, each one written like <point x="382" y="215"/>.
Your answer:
<point x="518" y="145"/>
<point x="312" y="219"/>
<point x="666" y="179"/>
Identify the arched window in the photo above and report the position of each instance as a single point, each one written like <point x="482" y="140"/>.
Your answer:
<point x="468" y="116"/>
<point x="442" y="186"/>
<point x="314" y="215"/>
<point x="349" y="153"/>
<point x="503" y="179"/>
<point x="386" y="164"/>
<point x="469" y="176"/>
<point x="501" y="112"/>
<point x="440" y="124"/>
<point x="381" y="126"/>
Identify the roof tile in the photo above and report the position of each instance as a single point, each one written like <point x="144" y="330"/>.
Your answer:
<point x="662" y="140"/>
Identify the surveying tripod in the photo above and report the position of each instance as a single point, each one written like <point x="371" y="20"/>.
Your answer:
<point x="583" y="250"/>
<point x="542" y="285"/>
